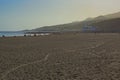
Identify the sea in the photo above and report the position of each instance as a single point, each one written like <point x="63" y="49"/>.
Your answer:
<point x="18" y="33"/>
<point x="11" y="33"/>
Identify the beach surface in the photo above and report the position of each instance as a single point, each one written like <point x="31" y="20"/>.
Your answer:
<point x="72" y="56"/>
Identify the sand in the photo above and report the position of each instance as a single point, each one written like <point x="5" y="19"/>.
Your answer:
<point x="78" y="56"/>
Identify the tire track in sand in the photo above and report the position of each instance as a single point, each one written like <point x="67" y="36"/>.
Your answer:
<point x="45" y="59"/>
<point x="23" y="65"/>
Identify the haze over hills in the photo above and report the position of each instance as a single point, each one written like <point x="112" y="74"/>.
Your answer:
<point x="105" y="17"/>
<point x="115" y="15"/>
<point x="103" y="22"/>
<point x="111" y="25"/>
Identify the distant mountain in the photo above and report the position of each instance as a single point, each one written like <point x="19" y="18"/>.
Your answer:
<point x="104" y="17"/>
<point x="89" y="19"/>
<point x="78" y="26"/>
<point x="115" y="15"/>
<point x="111" y="25"/>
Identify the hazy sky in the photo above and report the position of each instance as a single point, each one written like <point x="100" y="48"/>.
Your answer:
<point x="29" y="14"/>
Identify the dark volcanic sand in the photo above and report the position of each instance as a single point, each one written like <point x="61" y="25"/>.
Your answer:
<point x="61" y="57"/>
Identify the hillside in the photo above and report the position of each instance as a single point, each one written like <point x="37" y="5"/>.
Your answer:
<point x="115" y="15"/>
<point x="112" y="25"/>
<point x="77" y="26"/>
